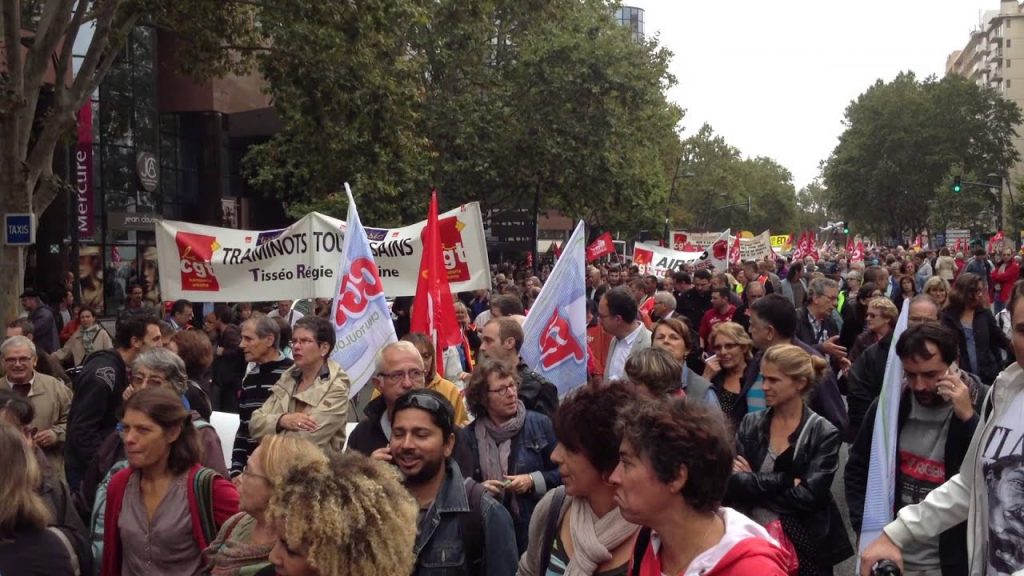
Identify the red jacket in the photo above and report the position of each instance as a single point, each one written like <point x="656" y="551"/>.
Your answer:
<point x="225" y="505"/>
<point x="1005" y="279"/>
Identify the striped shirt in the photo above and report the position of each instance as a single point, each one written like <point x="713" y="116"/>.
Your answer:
<point x="259" y="380"/>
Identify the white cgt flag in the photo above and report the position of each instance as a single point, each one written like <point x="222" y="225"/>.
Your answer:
<point x="362" y="321"/>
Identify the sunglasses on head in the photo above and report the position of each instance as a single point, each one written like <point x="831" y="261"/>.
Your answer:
<point x="425" y="401"/>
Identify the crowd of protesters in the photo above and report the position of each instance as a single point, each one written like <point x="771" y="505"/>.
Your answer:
<point x="706" y="440"/>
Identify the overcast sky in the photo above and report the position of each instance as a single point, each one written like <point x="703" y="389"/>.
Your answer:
<point x="774" y="78"/>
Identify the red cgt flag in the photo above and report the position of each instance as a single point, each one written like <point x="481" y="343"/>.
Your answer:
<point x="601" y="246"/>
<point x="433" y="310"/>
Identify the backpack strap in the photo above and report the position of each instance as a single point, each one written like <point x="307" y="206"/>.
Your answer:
<point x="550" y="529"/>
<point x="643" y="538"/>
<point x="203" y="486"/>
<point x="473" y="528"/>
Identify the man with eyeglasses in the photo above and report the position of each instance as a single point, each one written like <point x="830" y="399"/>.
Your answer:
<point x="816" y="325"/>
<point x="938" y="413"/>
<point x="864" y="380"/>
<point x="461" y="529"/>
<point x="98" y="390"/>
<point x="49" y="397"/>
<point x="399" y="369"/>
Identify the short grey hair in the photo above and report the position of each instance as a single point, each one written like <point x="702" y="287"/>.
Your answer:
<point x="167" y="363"/>
<point x="18" y="342"/>
<point x="401" y="345"/>
<point x="265" y="326"/>
<point x="818" y="286"/>
<point x="665" y="298"/>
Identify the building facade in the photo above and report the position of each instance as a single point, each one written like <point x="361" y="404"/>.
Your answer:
<point x="151" y="144"/>
<point x="994" y="57"/>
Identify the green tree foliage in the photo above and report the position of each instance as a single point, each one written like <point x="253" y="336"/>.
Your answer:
<point x="492" y="100"/>
<point x="714" y="175"/>
<point x="812" y="207"/>
<point x="902" y="142"/>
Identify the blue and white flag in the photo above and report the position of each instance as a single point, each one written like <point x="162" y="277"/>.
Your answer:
<point x="555" y="331"/>
<point x="362" y="321"/>
<point x="881" y="488"/>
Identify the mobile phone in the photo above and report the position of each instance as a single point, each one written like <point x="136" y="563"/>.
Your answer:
<point x="711" y="357"/>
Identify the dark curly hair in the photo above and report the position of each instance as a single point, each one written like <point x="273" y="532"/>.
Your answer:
<point x="673" y="433"/>
<point x="585" y="423"/>
<point x="476" y="390"/>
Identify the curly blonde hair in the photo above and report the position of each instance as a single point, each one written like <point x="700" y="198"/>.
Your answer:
<point x="354" y="516"/>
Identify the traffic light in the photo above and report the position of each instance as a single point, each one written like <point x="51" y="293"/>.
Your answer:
<point x="846" y="228"/>
<point x="956" y="185"/>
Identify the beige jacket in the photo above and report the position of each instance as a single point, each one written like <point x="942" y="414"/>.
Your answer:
<point x="326" y="401"/>
<point x="51" y="400"/>
<point x="74" y="348"/>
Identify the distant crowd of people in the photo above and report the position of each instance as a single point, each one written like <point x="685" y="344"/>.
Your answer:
<point x="705" y="442"/>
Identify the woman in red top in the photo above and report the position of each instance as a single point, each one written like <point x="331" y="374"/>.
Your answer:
<point x="165" y="508"/>
<point x="675" y="459"/>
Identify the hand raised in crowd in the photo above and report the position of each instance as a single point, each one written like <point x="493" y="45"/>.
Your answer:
<point x="740" y="464"/>
<point x="297" y="422"/>
<point x="382" y="454"/>
<point x="832" y="348"/>
<point x="519" y="484"/>
<point x="45" y="438"/>
<point x="953" y="390"/>
<point x="712" y="366"/>
<point x="881" y="549"/>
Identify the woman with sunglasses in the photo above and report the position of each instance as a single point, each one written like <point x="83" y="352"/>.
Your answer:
<point x="311" y="399"/>
<point x="245" y="540"/>
<point x="880" y="321"/>
<point x="511" y="446"/>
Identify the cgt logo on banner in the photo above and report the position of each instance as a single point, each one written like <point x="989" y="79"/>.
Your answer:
<point x="557" y="343"/>
<point x="301" y="261"/>
<point x="195" y="253"/>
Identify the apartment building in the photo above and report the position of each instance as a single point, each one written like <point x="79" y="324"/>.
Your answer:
<point x="994" y="57"/>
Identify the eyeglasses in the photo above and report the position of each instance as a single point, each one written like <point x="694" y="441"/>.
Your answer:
<point x="727" y="345"/>
<point x="141" y="379"/>
<point x="504" y="390"/>
<point x="18" y="360"/>
<point x="426" y="401"/>
<point x="302" y="342"/>
<point x="247" y="472"/>
<point x="400" y="376"/>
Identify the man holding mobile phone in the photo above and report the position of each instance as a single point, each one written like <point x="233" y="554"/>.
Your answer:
<point x="937" y="417"/>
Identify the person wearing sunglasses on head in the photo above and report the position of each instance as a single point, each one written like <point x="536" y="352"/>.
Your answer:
<point x="311" y="399"/>
<point x="461" y="528"/>
<point x="511" y="446"/>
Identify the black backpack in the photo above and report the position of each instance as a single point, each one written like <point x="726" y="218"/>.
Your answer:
<point x="473" y="528"/>
<point x="78" y="547"/>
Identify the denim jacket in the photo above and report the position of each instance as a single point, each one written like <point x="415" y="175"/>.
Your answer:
<point x="530" y="454"/>
<point x="439" y="541"/>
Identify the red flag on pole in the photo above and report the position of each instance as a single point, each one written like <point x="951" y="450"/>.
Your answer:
<point x="601" y="246"/>
<point x="433" y="310"/>
<point x="734" y="253"/>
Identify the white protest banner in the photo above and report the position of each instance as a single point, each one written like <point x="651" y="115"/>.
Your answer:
<point x="212" y="264"/>
<point x="660" y="261"/>
<point x="755" y="248"/>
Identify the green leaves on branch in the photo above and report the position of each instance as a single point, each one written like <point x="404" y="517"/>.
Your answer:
<point x="905" y="138"/>
<point x="487" y="100"/>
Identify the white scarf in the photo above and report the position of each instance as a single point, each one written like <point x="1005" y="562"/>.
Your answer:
<point x="594" y="538"/>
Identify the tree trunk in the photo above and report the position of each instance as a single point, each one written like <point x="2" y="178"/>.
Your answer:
<point x="14" y="198"/>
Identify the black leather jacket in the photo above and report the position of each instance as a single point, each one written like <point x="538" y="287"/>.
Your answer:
<point x="813" y="456"/>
